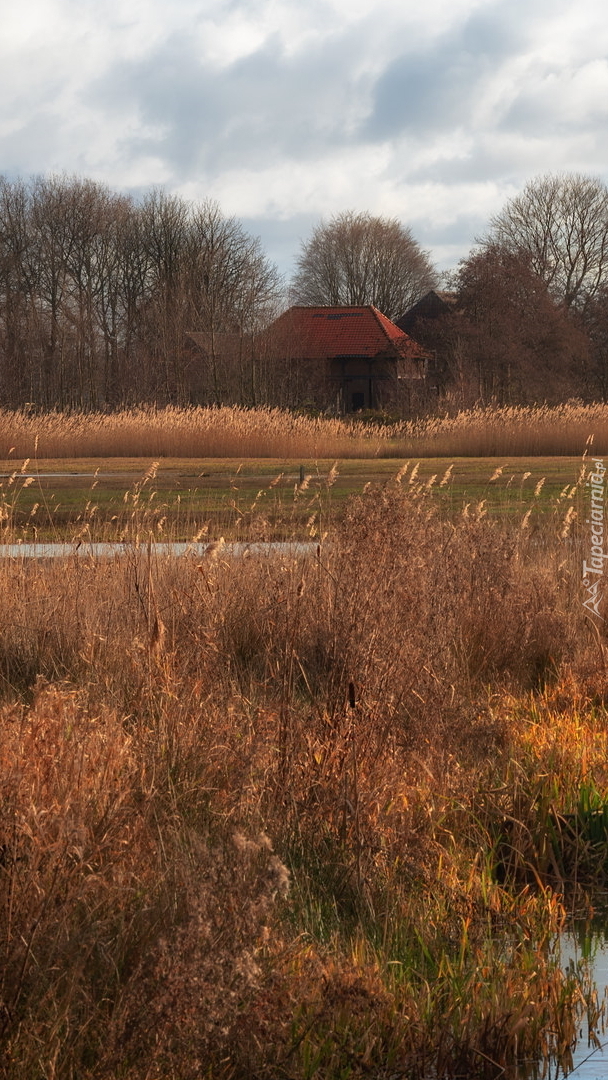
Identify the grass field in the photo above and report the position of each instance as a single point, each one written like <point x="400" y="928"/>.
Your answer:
<point x="254" y="499"/>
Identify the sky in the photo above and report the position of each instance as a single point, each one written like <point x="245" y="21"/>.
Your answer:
<point x="287" y="112"/>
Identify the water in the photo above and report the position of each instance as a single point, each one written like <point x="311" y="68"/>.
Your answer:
<point x="111" y="550"/>
<point x="589" y="1062"/>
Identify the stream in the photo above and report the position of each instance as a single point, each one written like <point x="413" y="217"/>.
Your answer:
<point x="85" y="548"/>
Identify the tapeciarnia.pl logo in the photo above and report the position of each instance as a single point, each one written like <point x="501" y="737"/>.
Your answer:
<point x="593" y="569"/>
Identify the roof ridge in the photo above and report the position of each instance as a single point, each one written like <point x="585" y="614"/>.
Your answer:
<point x="329" y="307"/>
<point x="395" y="332"/>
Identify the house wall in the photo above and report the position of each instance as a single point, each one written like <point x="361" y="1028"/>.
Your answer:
<point x="377" y="383"/>
<point x="355" y="380"/>
<point x="344" y="385"/>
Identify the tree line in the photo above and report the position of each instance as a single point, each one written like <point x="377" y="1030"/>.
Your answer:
<point x="99" y="294"/>
<point x="107" y="302"/>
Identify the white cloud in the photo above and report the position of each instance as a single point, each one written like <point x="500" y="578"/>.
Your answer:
<point x="287" y="112"/>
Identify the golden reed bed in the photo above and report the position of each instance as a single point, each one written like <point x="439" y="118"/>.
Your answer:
<point x="272" y="433"/>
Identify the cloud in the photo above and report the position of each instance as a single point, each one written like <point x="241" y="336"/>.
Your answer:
<point x="561" y="98"/>
<point x="289" y="112"/>
<point x="264" y="107"/>
<point x="442" y="87"/>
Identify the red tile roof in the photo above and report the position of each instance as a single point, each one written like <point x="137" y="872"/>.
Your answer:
<point x="316" y="333"/>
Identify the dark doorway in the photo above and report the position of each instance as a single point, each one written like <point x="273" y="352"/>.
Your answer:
<point x="358" y="401"/>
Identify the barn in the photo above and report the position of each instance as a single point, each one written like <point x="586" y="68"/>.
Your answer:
<point x="346" y="359"/>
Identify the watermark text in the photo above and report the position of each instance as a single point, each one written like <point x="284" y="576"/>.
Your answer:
<point x="594" y="562"/>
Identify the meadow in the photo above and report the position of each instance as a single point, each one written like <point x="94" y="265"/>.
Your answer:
<point x="311" y="814"/>
<point x="176" y="499"/>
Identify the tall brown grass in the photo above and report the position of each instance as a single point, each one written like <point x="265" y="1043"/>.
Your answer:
<point x="184" y="433"/>
<point x="258" y="433"/>
<point x="253" y="811"/>
<point x="510" y="431"/>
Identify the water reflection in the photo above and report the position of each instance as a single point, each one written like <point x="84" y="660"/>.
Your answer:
<point x="584" y="953"/>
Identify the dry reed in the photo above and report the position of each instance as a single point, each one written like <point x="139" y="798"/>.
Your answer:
<point x="252" y="809"/>
<point x="236" y="432"/>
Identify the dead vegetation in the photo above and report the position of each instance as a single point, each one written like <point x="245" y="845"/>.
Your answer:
<point x="226" y="432"/>
<point x="253" y="816"/>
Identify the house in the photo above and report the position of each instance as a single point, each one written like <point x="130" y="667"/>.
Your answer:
<point x="432" y="305"/>
<point x="435" y="322"/>
<point x="345" y="358"/>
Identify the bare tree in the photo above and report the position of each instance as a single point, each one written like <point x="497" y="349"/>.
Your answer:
<point x="99" y="296"/>
<point x="66" y="270"/>
<point x="520" y="347"/>
<point x="358" y="259"/>
<point x="17" y="348"/>
<point x="92" y="211"/>
<point x="207" y="276"/>
<point x="230" y="286"/>
<point x="561" y="222"/>
<point x="596" y="325"/>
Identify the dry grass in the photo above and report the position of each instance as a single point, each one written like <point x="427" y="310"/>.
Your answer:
<point x="197" y="432"/>
<point x="538" y="430"/>
<point x="254" y="812"/>
<point x="261" y="433"/>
